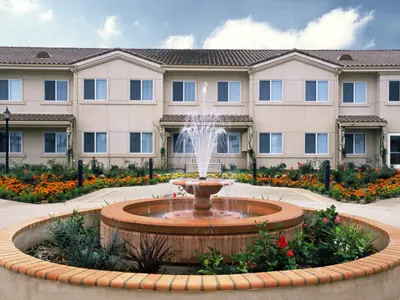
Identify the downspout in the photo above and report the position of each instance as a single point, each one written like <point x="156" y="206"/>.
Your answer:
<point x="74" y="101"/>
<point x="338" y="128"/>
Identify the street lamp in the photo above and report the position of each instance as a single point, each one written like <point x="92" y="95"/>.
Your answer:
<point x="7" y="115"/>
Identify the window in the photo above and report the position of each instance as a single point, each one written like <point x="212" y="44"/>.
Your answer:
<point x="354" y="92"/>
<point x="394" y="90"/>
<point x="142" y="90"/>
<point x="141" y="142"/>
<point x="55" y="142"/>
<point x="270" y="143"/>
<point x="270" y="90"/>
<point x="316" y="143"/>
<point x="354" y="143"/>
<point x="15" y="142"/>
<point x="56" y="90"/>
<point x="11" y="89"/>
<point x="95" y="89"/>
<point x="95" y="142"/>
<point x="229" y="143"/>
<point x="182" y="144"/>
<point x="229" y="91"/>
<point x="183" y="91"/>
<point x="317" y="91"/>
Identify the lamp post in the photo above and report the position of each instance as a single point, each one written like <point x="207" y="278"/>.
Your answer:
<point x="6" y="116"/>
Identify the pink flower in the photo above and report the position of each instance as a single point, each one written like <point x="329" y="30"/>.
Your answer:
<point x="305" y="225"/>
<point x="26" y="171"/>
<point x="377" y="170"/>
<point x="337" y="219"/>
<point x="35" y="177"/>
<point x="290" y="253"/>
<point x="325" y="220"/>
<point x="174" y="195"/>
<point x="359" y="170"/>
<point x="299" y="164"/>
<point x="291" y="168"/>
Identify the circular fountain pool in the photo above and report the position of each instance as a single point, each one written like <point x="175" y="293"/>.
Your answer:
<point x="188" y="235"/>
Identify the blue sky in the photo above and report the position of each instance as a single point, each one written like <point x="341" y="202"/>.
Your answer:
<point x="368" y="24"/>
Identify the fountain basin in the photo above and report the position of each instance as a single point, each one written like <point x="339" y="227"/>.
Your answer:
<point x="189" y="235"/>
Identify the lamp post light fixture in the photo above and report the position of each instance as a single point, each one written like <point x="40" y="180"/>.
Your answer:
<point x="7" y="115"/>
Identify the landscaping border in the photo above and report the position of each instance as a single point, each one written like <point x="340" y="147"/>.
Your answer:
<point x="384" y="262"/>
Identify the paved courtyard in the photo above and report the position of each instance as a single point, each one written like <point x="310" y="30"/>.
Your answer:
<point x="387" y="211"/>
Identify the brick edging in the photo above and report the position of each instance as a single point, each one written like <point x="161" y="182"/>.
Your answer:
<point x="13" y="259"/>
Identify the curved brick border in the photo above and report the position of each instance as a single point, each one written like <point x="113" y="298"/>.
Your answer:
<point x="13" y="259"/>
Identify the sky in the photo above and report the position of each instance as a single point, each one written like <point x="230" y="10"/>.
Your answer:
<point x="209" y="24"/>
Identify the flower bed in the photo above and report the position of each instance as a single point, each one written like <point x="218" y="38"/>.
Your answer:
<point x="36" y="185"/>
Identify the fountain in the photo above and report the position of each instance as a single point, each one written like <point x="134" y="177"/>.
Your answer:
<point x="203" y="221"/>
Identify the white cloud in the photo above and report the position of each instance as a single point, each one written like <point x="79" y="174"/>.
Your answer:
<point x="47" y="16"/>
<point x="335" y="29"/>
<point x="370" y="44"/>
<point x="178" y="42"/>
<point x="18" y="8"/>
<point x="110" y="28"/>
<point x="137" y="23"/>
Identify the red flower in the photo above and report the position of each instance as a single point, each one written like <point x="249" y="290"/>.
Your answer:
<point x="325" y="220"/>
<point x="305" y="225"/>
<point x="174" y="195"/>
<point x="35" y="177"/>
<point x="398" y="171"/>
<point x="377" y="170"/>
<point x="290" y="253"/>
<point x="299" y="164"/>
<point x="359" y="170"/>
<point x="282" y="242"/>
<point x="337" y="219"/>
<point x="26" y="171"/>
<point x="253" y="265"/>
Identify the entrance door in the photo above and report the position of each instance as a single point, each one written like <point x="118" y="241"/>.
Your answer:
<point x="394" y="150"/>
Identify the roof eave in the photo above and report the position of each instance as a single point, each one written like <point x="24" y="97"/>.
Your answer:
<point x="36" y="67"/>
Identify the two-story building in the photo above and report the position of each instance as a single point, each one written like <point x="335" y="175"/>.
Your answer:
<point x="121" y="105"/>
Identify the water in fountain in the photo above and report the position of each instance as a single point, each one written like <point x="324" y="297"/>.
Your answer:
<point x="203" y="130"/>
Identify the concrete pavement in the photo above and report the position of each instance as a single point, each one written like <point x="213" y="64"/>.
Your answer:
<point x="386" y="211"/>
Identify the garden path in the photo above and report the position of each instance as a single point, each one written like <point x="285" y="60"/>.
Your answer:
<point x="386" y="211"/>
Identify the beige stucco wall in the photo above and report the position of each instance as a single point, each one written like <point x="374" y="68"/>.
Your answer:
<point x="118" y="116"/>
<point x="33" y="92"/>
<point x="211" y="104"/>
<point x="33" y="146"/>
<point x="294" y="116"/>
<point x="371" y="104"/>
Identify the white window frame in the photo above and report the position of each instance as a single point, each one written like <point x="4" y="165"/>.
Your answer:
<point x="95" y="142"/>
<point x="354" y="142"/>
<point x="9" y="142"/>
<point x="388" y="91"/>
<point x="184" y="100"/>
<point x="56" y="82"/>
<point x="389" y="152"/>
<point x="95" y="89"/>
<point x="229" y="92"/>
<point x="183" y="146"/>
<point x="141" y="89"/>
<point x="316" y="92"/>
<point x="55" y="132"/>
<point x="316" y="143"/>
<point x="141" y="142"/>
<point x="354" y="93"/>
<point x="9" y="88"/>
<point x="270" y="90"/>
<point x="227" y="144"/>
<point x="270" y="144"/>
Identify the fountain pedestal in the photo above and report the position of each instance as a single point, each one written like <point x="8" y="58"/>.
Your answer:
<point x="202" y="190"/>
